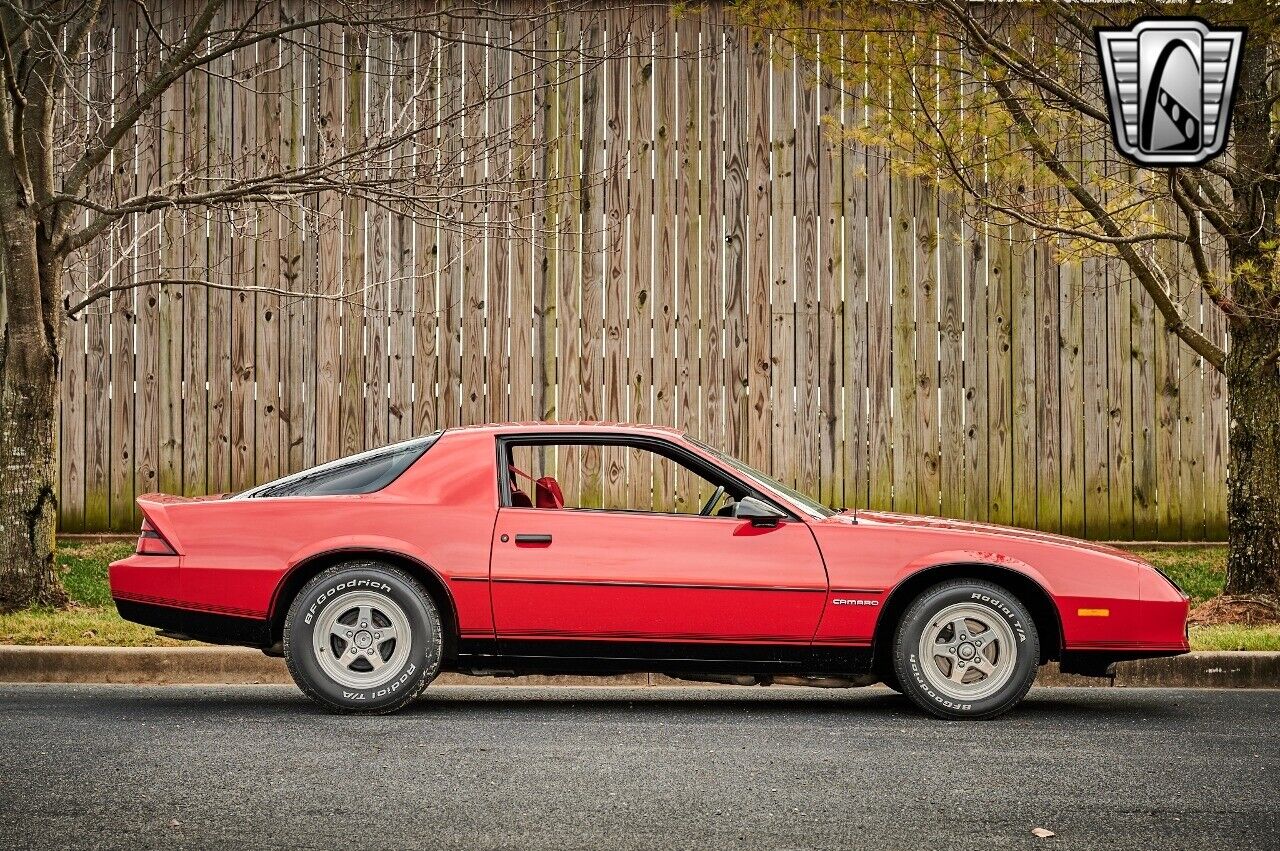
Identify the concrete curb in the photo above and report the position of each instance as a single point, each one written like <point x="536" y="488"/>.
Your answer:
<point x="241" y="666"/>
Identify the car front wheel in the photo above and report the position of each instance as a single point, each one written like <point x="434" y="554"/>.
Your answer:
<point x="362" y="637"/>
<point x="966" y="649"/>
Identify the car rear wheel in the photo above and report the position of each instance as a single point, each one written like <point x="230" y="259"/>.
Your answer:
<point x="966" y="649"/>
<point x="362" y="637"/>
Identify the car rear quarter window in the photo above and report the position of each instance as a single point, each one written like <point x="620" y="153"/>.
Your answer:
<point x="364" y="473"/>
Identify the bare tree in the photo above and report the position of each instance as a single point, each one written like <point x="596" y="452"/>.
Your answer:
<point x="62" y="126"/>
<point x="1003" y="102"/>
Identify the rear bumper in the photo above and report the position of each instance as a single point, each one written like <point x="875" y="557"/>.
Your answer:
<point x="198" y="626"/>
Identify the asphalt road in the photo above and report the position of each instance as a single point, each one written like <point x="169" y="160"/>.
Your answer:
<point x="259" y="766"/>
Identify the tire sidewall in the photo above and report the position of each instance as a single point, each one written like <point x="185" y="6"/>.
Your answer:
<point x="1000" y="603"/>
<point x="420" y="666"/>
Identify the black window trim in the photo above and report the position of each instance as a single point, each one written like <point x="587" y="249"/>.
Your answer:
<point x="429" y="440"/>
<point x="657" y="445"/>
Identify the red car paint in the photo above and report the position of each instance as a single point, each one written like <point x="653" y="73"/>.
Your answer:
<point x="631" y="576"/>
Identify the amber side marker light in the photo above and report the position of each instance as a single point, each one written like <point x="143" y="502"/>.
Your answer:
<point x="152" y="543"/>
<point x="1094" y="613"/>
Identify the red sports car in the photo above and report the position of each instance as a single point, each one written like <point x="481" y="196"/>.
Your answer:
<point x="597" y="548"/>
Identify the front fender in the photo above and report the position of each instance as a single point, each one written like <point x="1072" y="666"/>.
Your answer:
<point x="960" y="558"/>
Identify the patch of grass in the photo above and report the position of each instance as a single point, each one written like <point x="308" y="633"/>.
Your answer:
<point x="1233" y="637"/>
<point x="92" y="617"/>
<point x="85" y="626"/>
<point x="1200" y="571"/>
<point x="84" y="571"/>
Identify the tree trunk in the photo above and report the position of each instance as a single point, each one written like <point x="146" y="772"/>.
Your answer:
<point x="29" y="341"/>
<point x="28" y="477"/>
<point x="1253" y="479"/>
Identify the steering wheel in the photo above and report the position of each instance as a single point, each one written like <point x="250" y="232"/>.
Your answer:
<point x="711" y="503"/>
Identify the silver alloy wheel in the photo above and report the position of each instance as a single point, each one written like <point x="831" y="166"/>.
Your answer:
<point x="362" y="639"/>
<point x="967" y="652"/>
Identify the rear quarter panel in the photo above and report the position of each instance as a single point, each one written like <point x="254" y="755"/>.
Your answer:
<point x="236" y="552"/>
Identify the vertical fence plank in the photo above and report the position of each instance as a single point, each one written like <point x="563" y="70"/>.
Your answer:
<point x="738" y="192"/>
<point x="475" y="143"/>
<point x="1168" y="363"/>
<point x="71" y="129"/>
<point x="498" y="234"/>
<point x="806" y="374"/>
<point x="1119" y="389"/>
<point x="400" y="247"/>
<point x="902" y="198"/>
<point x="377" y="239"/>
<point x="880" y="472"/>
<point x="855" y="335"/>
<point x="272" y="271"/>
<point x="999" y="375"/>
<point x="687" y="349"/>
<point x="167" y="134"/>
<point x="97" y="380"/>
<point x="925" y="377"/>
<point x="352" y="363"/>
<point x="123" y="261"/>
<point x="951" y="384"/>
<point x="711" y="246"/>
<point x="616" y="281"/>
<point x="759" y="202"/>
<point x="330" y="111"/>
<point x="1191" y="401"/>
<point x="546" y="218"/>
<point x="1094" y="364"/>
<point x="297" y="251"/>
<point x="426" y="320"/>
<point x="665" y="130"/>
<point x="1047" y="399"/>
<point x="523" y="274"/>
<point x="640" y="322"/>
<point x="568" y="374"/>
<point x="830" y="291"/>
<point x="243" y="269"/>
<point x="782" y="288"/>
<point x="977" y="415"/>
<point x="1024" y="407"/>
<point x="592" y="262"/>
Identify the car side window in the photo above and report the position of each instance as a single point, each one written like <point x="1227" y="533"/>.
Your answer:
<point x="611" y="477"/>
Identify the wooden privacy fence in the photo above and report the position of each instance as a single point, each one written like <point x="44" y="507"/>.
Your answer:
<point x="733" y="272"/>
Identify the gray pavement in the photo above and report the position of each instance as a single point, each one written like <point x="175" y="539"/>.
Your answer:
<point x="529" y="768"/>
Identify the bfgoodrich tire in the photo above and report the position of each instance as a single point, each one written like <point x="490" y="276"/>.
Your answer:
<point x="362" y="637"/>
<point x="966" y="649"/>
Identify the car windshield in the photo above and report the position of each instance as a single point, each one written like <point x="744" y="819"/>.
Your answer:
<point x="814" y="509"/>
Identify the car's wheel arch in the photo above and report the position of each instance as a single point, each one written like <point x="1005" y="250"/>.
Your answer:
<point x="1028" y="589"/>
<point x="302" y="572"/>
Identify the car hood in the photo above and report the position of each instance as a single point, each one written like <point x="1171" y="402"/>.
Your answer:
<point x="987" y="530"/>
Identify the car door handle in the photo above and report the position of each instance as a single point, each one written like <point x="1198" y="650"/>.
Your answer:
<point x="533" y="539"/>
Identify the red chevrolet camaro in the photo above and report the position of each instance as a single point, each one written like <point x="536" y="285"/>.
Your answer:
<point x="597" y="548"/>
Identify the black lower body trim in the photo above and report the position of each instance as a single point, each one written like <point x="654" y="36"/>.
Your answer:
<point x="198" y="626"/>
<point x="1097" y="663"/>
<point x="556" y="656"/>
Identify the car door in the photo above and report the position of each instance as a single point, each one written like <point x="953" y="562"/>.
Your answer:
<point x="633" y="575"/>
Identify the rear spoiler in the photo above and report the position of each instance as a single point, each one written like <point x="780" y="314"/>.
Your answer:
<point x="155" y="508"/>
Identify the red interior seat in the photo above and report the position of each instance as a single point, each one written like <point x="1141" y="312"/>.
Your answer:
<point x="547" y="493"/>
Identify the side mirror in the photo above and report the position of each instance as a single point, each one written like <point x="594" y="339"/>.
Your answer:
<point x="759" y="512"/>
